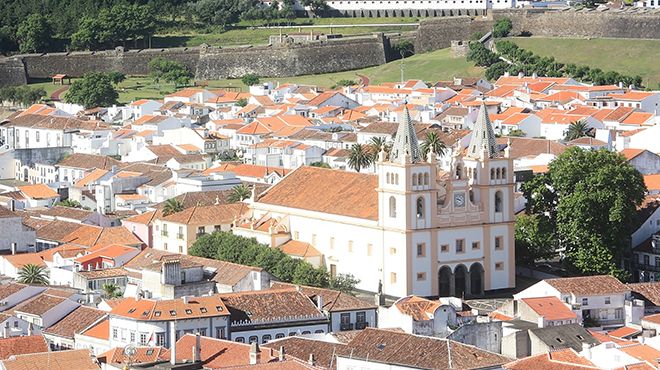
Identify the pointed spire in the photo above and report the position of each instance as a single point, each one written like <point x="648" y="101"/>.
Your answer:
<point x="405" y="148"/>
<point x="482" y="143"/>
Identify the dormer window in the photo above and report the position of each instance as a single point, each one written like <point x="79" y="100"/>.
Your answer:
<point x="172" y="312"/>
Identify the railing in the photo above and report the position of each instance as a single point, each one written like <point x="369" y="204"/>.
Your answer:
<point x="361" y="325"/>
<point x="345" y="327"/>
<point x="646" y="267"/>
<point x="163" y="233"/>
<point x="278" y="320"/>
<point x="179" y="236"/>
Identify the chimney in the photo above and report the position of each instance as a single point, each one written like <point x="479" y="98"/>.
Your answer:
<point x="185" y="299"/>
<point x="172" y="343"/>
<point x="281" y="356"/>
<point x="12" y="205"/>
<point x="255" y="353"/>
<point x="319" y="303"/>
<point x="13" y="248"/>
<point x="197" y="349"/>
<point x="29" y="330"/>
<point x="521" y="75"/>
<point x="620" y="85"/>
<point x="311" y="359"/>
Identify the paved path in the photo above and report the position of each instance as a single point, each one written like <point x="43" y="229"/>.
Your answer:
<point x="55" y="96"/>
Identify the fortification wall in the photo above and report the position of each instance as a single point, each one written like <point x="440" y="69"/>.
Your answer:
<point x="207" y="63"/>
<point x="584" y="23"/>
<point x="438" y="33"/>
<point x="12" y="72"/>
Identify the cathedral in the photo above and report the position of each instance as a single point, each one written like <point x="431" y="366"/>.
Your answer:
<point x="408" y="229"/>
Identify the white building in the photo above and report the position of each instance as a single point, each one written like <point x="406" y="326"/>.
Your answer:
<point x="599" y="299"/>
<point x="401" y="228"/>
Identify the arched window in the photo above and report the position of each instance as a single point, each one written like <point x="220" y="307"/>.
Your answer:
<point x="414" y="179"/>
<point x="498" y="201"/>
<point x="504" y="173"/>
<point x="387" y="178"/>
<point x="459" y="171"/>
<point x="396" y="179"/>
<point x="392" y="207"/>
<point x="420" y="207"/>
<point x="492" y="174"/>
<point x="426" y="178"/>
<point x="497" y="173"/>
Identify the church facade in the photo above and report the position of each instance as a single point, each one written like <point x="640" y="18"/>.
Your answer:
<point x="410" y="228"/>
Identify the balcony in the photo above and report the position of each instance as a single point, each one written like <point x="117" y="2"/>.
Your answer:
<point x="645" y="267"/>
<point x="361" y="325"/>
<point x="164" y="233"/>
<point x="346" y="327"/>
<point x="179" y="236"/>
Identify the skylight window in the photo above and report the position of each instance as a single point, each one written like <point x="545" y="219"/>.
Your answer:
<point x="172" y="312"/>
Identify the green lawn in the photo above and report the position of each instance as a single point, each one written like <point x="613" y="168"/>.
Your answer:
<point x="630" y="57"/>
<point x="430" y="67"/>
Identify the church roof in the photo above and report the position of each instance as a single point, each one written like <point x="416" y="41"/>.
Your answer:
<point x="405" y="147"/>
<point x="483" y="136"/>
<point x="328" y="191"/>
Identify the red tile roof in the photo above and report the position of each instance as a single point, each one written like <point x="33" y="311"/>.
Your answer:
<point x="216" y="353"/>
<point x="551" y="308"/>
<point x="22" y="345"/>
<point x="565" y="359"/>
<point x="79" y="359"/>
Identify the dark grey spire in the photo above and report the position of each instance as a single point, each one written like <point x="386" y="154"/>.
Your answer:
<point x="405" y="148"/>
<point x="483" y="137"/>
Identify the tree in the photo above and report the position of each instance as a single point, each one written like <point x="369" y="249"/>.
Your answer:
<point x="21" y="95"/>
<point x="239" y="193"/>
<point x="111" y="290"/>
<point x="589" y="198"/>
<point x="517" y="133"/>
<point x="69" y="203"/>
<point x="502" y="28"/>
<point x="320" y="164"/>
<point x="116" y="77"/>
<point x="34" y="34"/>
<point x="344" y="282"/>
<point x="535" y="239"/>
<point x="241" y="102"/>
<point x="576" y="130"/>
<point x="92" y="90"/>
<point x="345" y="83"/>
<point x="222" y="12"/>
<point x="169" y="71"/>
<point x="172" y="206"/>
<point x="317" y="6"/>
<point x="481" y="56"/>
<point x="404" y="48"/>
<point x="250" y="79"/>
<point x="432" y="143"/>
<point x="377" y="144"/>
<point x="33" y="274"/>
<point x="359" y="157"/>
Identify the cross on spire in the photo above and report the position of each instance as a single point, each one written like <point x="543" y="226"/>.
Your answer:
<point x="406" y="147"/>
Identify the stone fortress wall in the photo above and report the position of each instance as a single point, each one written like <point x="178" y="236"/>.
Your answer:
<point x="334" y="55"/>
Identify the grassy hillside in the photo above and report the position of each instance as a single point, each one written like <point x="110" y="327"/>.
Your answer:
<point x="631" y="57"/>
<point x="434" y="66"/>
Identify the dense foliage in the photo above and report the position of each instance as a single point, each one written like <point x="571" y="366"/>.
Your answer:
<point x="161" y="69"/>
<point x="92" y="90"/>
<point x="586" y="203"/>
<point x="250" y="79"/>
<point x="21" y="95"/>
<point x="226" y="246"/>
<point x="95" y="24"/>
<point x="514" y="60"/>
<point x="502" y="27"/>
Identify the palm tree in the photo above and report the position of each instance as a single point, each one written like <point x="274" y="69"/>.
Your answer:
<point x="377" y="144"/>
<point x="33" y="274"/>
<point x="359" y="157"/>
<point x="239" y="192"/>
<point x="111" y="290"/>
<point x="576" y="130"/>
<point x="432" y="142"/>
<point x="172" y="206"/>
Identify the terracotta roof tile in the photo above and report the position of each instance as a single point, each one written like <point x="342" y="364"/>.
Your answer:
<point x="652" y="182"/>
<point x="550" y="308"/>
<point x="8" y="289"/>
<point x="333" y="300"/>
<point x="565" y="359"/>
<point x="116" y="357"/>
<point x="90" y="161"/>
<point x="588" y="285"/>
<point x="39" y="305"/>
<point x="75" y="322"/>
<point x="79" y="359"/>
<point x="22" y="346"/>
<point x="216" y="353"/>
<point x="170" y="309"/>
<point x="206" y="215"/>
<point x="268" y="305"/>
<point x="420" y="309"/>
<point x="299" y="249"/>
<point x="347" y="193"/>
<point x="649" y="291"/>
<point x="38" y="191"/>
<point x="100" y="331"/>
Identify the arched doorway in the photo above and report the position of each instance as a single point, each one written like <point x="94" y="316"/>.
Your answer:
<point x="444" y="282"/>
<point x="460" y="281"/>
<point x="476" y="279"/>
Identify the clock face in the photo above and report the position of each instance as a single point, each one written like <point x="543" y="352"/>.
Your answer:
<point x="459" y="200"/>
